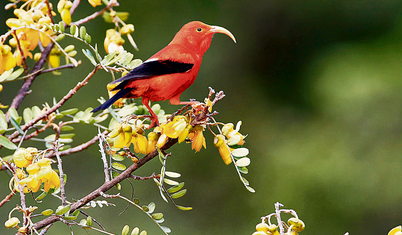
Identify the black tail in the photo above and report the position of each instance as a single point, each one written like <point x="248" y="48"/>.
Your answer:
<point x="110" y="101"/>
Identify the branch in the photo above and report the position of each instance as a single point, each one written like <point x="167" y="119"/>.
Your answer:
<point x="8" y="197"/>
<point x="111" y="4"/>
<point x="56" y="106"/>
<point x="106" y="186"/>
<point x="28" y="82"/>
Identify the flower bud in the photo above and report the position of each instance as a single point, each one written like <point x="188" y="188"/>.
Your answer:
<point x="12" y="222"/>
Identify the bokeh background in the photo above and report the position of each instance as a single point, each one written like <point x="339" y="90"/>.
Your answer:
<point x="318" y="87"/>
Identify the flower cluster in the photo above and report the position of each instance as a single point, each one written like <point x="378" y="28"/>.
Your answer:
<point x="230" y="137"/>
<point x="293" y="226"/>
<point x="114" y="40"/>
<point x="32" y="171"/>
<point x="31" y="28"/>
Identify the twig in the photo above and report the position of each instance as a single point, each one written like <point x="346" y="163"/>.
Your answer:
<point x="8" y="197"/>
<point x="103" y="156"/>
<point x="111" y="4"/>
<point x="66" y="66"/>
<point x="106" y="186"/>
<point x="24" y="61"/>
<point x="74" y="6"/>
<point x="33" y="134"/>
<point x="93" y="219"/>
<point x="60" y="167"/>
<point x="153" y="176"/>
<point x="28" y="82"/>
<point x="45" y="229"/>
<point x="76" y="148"/>
<point x="56" y="106"/>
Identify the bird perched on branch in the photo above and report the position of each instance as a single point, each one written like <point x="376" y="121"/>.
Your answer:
<point x="165" y="75"/>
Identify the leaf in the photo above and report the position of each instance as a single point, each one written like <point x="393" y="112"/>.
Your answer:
<point x="240" y="152"/>
<point x="12" y="112"/>
<point x="3" y="121"/>
<point x="62" y="209"/>
<point x="67" y="136"/>
<point x="5" y="75"/>
<point x="172" y="174"/>
<point x="243" y="170"/>
<point x="27" y="115"/>
<point x="125" y="230"/>
<point x="170" y="182"/>
<point x="179" y="194"/>
<point x="106" y="60"/>
<point x="15" y="74"/>
<point x="89" y="55"/>
<point x="41" y="196"/>
<point x="166" y="229"/>
<point x="69" y="111"/>
<point x="151" y="207"/>
<point x="184" y="208"/>
<point x="47" y="212"/>
<point x="242" y="162"/>
<point x="70" y="217"/>
<point x="157" y="216"/>
<point x="67" y="128"/>
<point x="16" y="125"/>
<point x="6" y="143"/>
<point x="250" y="189"/>
<point x="118" y="157"/>
<point x="234" y="140"/>
<point x="175" y="188"/>
<point x="118" y="166"/>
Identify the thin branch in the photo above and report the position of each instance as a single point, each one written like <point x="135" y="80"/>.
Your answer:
<point x="60" y="167"/>
<point x="24" y="61"/>
<point x="106" y="186"/>
<point x="56" y="106"/>
<point x="66" y="66"/>
<point x="153" y="176"/>
<point x="103" y="155"/>
<point x="77" y="148"/>
<point x="28" y="82"/>
<point x="8" y="197"/>
<point x="111" y="4"/>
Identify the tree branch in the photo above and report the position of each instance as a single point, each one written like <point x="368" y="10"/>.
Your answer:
<point x="106" y="186"/>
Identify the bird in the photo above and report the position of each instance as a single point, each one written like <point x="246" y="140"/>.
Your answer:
<point x="170" y="71"/>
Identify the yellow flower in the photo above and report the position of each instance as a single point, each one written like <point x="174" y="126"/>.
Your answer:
<point x="233" y="135"/>
<point x="47" y="175"/>
<point x="113" y="41"/>
<point x="20" y="158"/>
<point x="140" y="143"/>
<point x="224" y="150"/>
<point x="152" y="141"/>
<point x="174" y="128"/>
<point x="7" y="60"/>
<point x="197" y="138"/>
<point x="12" y="222"/>
<point x="396" y="231"/>
<point x="120" y="102"/>
<point x="95" y="3"/>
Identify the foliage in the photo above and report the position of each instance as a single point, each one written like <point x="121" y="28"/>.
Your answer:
<point x="125" y="140"/>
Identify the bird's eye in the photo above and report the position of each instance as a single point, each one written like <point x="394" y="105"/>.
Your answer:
<point x="199" y="29"/>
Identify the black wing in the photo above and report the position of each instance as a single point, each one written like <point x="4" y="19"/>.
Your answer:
<point x="153" y="68"/>
<point x="110" y="101"/>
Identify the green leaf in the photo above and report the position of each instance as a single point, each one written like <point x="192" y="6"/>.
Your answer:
<point x="27" y="115"/>
<point x="250" y="189"/>
<point x="118" y="166"/>
<point x="5" y="75"/>
<point x="67" y="136"/>
<point x="118" y="157"/>
<point x="89" y="55"/>
<point x="175" y="188"/>
<point x="15" y="74"/>
<point x="70" y="217"/>
<point x="3" y="121"/>
<point x="67" y="128"/>
<point x="73" y="29"/>
<point x="47" y="212"/>
<point x="62" y="209"/>
<point x="83" y="32"/>
<point x="179" y="194"/>
<point x="151" y="207"/>
<point x="12" y="112"/>
<point x="157" y="216"/>
<point x="76" y="212"/>
<point x="89" y="221"/>
<point x="135" y="231"/>
<point x="6" y="143"/>
<point x="108" y="60"/>
<point x="41" y="196"/>
<point x="243" y="170"/>
<point x="69" y="111"/>
<point x="184" y="208"/>
<point x="16" y="125"/>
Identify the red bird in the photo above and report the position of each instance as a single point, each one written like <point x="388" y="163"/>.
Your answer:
<point x="170" y="71"/>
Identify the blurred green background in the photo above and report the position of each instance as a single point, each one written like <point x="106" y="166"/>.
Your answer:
<point x="318" y="87"/>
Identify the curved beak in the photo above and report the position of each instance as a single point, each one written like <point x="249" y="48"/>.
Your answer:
<point x="218" y="29"/>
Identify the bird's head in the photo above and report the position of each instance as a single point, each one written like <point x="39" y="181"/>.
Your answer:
<point x="198" y="36"/>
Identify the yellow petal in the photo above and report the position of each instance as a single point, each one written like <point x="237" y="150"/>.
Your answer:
<point x="395" y="230"/>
